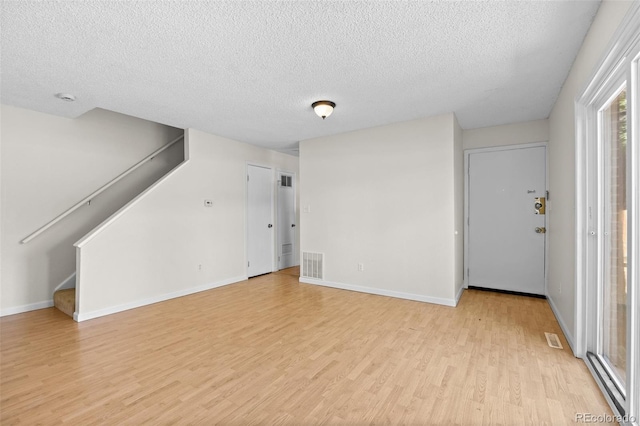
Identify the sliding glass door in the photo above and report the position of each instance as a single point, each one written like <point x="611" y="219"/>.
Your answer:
<point x="608" y="222"/>
<point x="611" y="347"/>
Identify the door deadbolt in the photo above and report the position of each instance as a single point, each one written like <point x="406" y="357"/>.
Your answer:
<point x="539" y="205"/>
<point x="541" y="230"/>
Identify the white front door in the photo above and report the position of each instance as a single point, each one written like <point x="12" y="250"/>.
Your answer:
<point x="506" y="240"/>
<point x="260" y="221"/>
<point x="286" y="220"/>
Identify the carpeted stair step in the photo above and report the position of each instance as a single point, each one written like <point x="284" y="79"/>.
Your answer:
<point x="65" y="300"/>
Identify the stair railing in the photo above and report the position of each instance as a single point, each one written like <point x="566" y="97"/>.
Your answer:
<point x="87" y="200"/>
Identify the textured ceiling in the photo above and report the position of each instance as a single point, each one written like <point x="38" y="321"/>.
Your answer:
<point x="250" y="70"/>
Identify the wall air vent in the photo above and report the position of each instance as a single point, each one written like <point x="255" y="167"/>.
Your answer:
<point x="286" y="181"/>
<point x="313" y="265"/>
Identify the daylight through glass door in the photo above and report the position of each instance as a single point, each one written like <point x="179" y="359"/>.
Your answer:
<point x="613" y="296"/>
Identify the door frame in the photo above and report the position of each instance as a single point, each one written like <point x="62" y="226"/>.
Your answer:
<point x="296" y="260"/>
<point x="246" y="215"/>
<point x="467" y="154"/>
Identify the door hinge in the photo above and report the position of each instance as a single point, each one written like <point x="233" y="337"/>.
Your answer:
<point x="248" y="264"/>
<point x="247" y="178"/>
<point x="467" y="272"/>
<point x="547" y="194"/>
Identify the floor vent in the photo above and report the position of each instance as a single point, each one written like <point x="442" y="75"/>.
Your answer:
<point x="312" y="265"/>
<point x="553" y="340"/>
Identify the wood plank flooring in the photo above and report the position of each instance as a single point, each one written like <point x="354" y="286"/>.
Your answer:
<point x="273" y="351"/>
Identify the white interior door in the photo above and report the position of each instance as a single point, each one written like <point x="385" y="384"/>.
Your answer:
<point x="506" y="232"/>
<point x="260" y="221"/>
<point x="286" y="220"/>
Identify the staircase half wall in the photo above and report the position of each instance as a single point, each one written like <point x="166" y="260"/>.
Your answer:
<point x="47" y="165"/>
<point x="166" y="243"/>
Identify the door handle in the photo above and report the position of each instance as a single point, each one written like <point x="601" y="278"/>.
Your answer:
<point x="293" y="225"/>
<point x="269" y="226"/>
<point x="541" y="230"/>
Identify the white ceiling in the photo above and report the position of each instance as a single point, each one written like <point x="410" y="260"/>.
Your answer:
<point x="250" y="70"/>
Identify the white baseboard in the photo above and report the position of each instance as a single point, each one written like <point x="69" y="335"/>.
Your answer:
<point x="459" y="295"/>
<point x="382" y="292"/>
<point x="83" y="316"/>
<point x="70" y="282"/>
<point x="26" y="308"/>
<point x="563" y="325"/>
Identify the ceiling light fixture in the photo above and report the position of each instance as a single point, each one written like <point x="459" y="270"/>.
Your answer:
<point x="323" y="108"/>
<point x="66" y="97"/>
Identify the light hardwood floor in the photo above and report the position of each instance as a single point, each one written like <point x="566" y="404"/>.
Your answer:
<point x="273" y="351"/>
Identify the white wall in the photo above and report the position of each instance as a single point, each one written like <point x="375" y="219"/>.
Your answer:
<point x="50" y="163"/>
<point x="385" y="197"/>
<point x="561" y="206"/>
<point x="509" y="134"/>
<point x="458" y="184"/>
<point x="167" y="243"/>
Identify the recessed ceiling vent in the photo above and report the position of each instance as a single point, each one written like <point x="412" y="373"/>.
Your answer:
<point x="312" y="265"/>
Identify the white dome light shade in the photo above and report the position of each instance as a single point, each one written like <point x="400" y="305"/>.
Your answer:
<point x="323" y="108"/>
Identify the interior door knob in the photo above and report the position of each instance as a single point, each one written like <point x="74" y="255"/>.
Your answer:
<point x="541" y="230"/>
<point x="293" y="225"/>
<point x="269" y="226"/>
